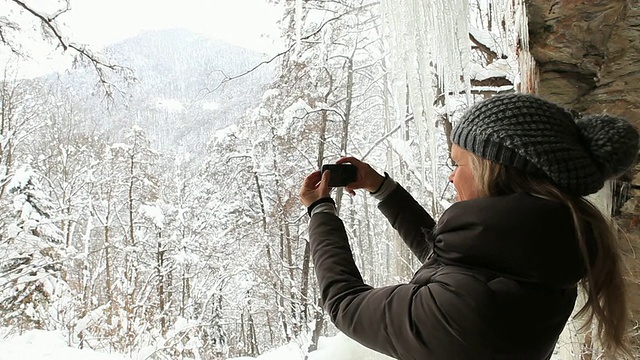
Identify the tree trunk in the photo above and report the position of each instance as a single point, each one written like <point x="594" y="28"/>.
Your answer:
<point x="317" y="330"/>
<point x="309" y="302"/>
<point x="160" y="278"/>
<point x="344" y="137"/>
<point x="108" y="271"/>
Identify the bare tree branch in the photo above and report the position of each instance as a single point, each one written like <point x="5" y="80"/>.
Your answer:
<point x="230" y="78"/>
<point x="490" y="55"/>
<point x="100" y="66"/>
<point x="386" y="136"/>
<point x="273" y="58"/>
<point x="8" y="24"/>
<point x="48" y="22"/>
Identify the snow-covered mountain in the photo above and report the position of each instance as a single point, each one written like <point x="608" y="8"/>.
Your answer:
<point x="179" y="97"/>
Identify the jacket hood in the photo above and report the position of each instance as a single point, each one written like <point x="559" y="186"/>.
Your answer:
<point x="518" y="236"/>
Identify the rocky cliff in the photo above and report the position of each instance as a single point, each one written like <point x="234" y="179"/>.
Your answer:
<point x="588" y="58"/>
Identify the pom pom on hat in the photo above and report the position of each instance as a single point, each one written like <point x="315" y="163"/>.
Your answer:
<point x="612" y="141"/>
<point x="542" y="138"/>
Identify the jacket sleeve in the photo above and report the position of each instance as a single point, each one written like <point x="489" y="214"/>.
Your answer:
<point x="407" y="321"/>
<point x="410" y="219"/>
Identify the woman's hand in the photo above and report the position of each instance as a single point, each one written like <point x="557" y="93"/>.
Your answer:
<point x="314" y="187"/>
<point x="368" y="178"/>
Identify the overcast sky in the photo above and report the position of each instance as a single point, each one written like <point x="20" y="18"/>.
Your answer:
<point x="242" y="22"/>
<point x="248" y="23"/>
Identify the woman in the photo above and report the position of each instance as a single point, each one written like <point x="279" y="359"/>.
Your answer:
<point x="502" y="265"/>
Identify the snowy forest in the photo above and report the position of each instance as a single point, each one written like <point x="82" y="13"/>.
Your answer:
<point x="146" y="210"/>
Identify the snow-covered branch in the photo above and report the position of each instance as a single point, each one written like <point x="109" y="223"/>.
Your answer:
<point x="102" y="67"/>
<point x="47" y="21"/>
<point x="286" y="51"/>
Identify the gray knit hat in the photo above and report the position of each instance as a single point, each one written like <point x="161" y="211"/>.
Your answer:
<point x="542" y="138"/>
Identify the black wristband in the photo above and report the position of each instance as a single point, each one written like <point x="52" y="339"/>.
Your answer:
<point x="318" y="202"/>
<point x="386" y="176"/>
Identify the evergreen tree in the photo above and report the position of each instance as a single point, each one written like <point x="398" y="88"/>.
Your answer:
<point x="33" y="291"/>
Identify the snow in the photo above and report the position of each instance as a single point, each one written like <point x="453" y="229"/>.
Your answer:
<point x="225" y="132"/>
<point x="210" y="105"/>
<point x="185" y="257"/>
<point x="292" y="116"/>
<point x="154" y="213"/>
<point x="495" y="89"/>
<point x="172" y="105"/>
<point x="49" y="345"/>
<point x="488" y="39"/>
<point x="21" y="178"/>
<point x="45" y="345"/>
<point x="92" y="317"/>
<point x="122" y="146"/>
<point x="499" y="68"/>
<point x="271" y="93"/>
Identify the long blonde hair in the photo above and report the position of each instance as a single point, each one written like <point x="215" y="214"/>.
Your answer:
<point x="603" y="284"/>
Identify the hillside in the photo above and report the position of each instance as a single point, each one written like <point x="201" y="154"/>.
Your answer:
<point x="174" y="99"/>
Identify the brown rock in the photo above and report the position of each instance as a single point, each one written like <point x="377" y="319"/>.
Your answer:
<point x="588" y="54"/>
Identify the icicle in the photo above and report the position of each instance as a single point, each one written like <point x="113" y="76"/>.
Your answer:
<point x="417" y="87"/>
<point x="397" y="59"/>
<point x="428" y="38"/>
<point x="528" y="79"/>
<point x="502" y="13"/>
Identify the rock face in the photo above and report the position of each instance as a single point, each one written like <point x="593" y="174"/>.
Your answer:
<point x="588" y="53"/>
<point x="588" y="57"/>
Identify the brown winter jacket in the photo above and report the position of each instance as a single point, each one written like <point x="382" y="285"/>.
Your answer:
<point x="498" y="280"/>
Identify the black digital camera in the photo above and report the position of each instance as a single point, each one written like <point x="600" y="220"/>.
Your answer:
<point x="341" y="174"/>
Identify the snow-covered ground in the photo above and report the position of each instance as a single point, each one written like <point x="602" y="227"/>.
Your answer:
<point x="45" y="345"/>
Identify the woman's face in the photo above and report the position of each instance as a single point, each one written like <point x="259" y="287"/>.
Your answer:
<point x="462" y="176"/>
